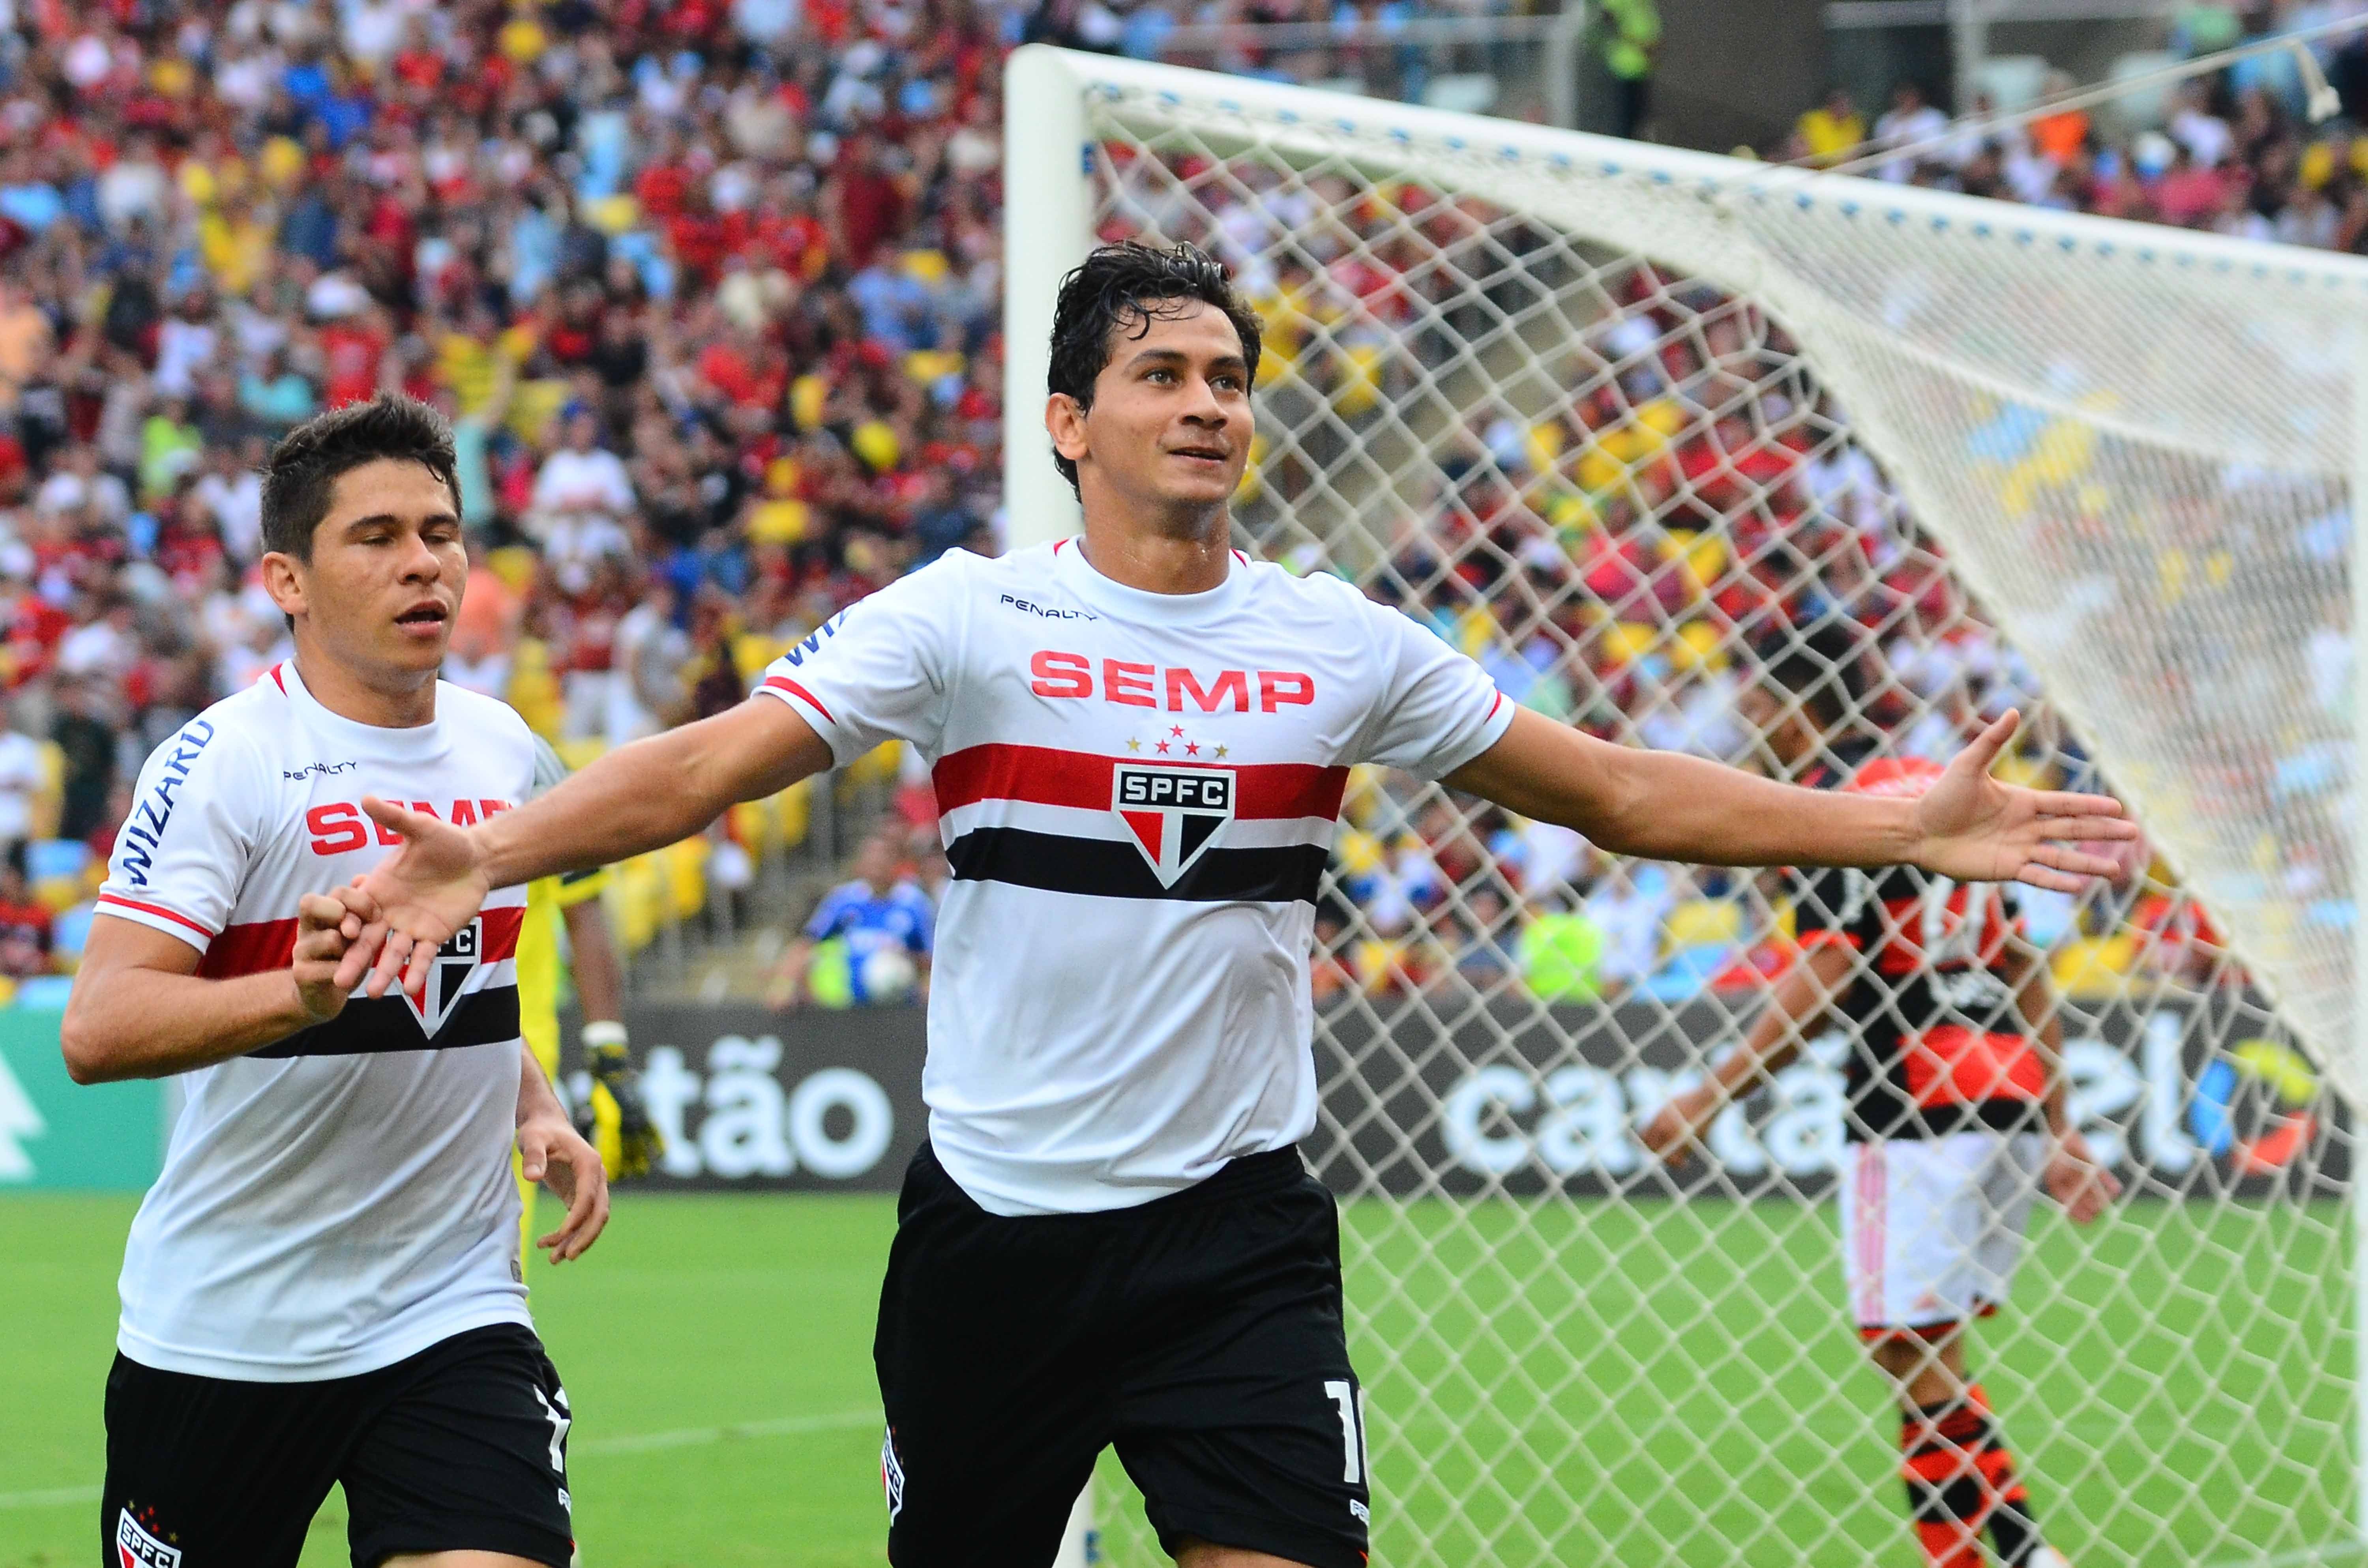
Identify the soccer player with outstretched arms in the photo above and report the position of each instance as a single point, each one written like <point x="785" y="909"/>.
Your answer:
<point x="1956" y="1112"/>
<point x="1139" y="738"/>
<point x="324" y="1286"/>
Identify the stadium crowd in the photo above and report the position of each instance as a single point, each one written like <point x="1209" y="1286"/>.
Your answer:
<point x="2234" y="152"/>
<point x="710" y="292"/>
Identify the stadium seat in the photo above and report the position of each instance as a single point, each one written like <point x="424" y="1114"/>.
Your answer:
<point x="71" y="931"/>
<point x="1703" y="922"/>
<point x="2094" y="967"/>
<point x="46" y="992"/>
<point x="48" y="859"/>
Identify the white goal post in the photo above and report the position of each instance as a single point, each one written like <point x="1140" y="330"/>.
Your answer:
<point x="1622" y="421"/>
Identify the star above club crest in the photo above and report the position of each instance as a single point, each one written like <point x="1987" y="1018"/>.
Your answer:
<point x="1161" y="746"/>
<point x="1176" y="729"/>
<point x="1191" y="749"/>
<point x="1221" y="754"/>
<point x="1134" y="745"/>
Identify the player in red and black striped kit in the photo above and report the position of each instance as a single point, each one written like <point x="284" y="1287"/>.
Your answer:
<point x="1955" y="1118"/>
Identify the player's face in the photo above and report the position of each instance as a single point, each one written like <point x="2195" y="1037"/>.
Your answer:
<point x="388" y="569"/>
<point x="1170" y="426"/>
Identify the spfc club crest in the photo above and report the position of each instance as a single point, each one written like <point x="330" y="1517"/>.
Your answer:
<point x="135" y="1548"/>
<point x="448" y="978"/>
<point x="1174" y="813"/>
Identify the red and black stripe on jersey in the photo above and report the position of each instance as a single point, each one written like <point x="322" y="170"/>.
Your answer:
<point x="375" y="1025"/>
<point x="1937" y="1045"/>
<point x="1042" y="855"/>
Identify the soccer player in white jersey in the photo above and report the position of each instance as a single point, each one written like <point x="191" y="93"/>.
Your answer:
<point x="324" y="1284"/>
<point x="1139" y="739"/>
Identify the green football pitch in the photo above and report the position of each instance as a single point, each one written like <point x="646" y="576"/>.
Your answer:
<point x="717" y="1351"/>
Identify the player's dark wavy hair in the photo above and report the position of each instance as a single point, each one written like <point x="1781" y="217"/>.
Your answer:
<point x="304" y="467"/>
<point x="1125" y="288"/>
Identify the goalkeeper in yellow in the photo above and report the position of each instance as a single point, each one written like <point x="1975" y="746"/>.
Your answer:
<point x="612" y="1116"/>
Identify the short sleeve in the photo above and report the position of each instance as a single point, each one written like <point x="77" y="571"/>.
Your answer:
<point x="1437" y="710"/>
<point x="182" y="853"/>
<point x="877" y="671"/>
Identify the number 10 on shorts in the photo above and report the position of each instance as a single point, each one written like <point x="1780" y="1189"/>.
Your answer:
<point x="1350" y="1401"/>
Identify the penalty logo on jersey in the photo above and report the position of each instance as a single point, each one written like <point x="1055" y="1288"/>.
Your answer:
<point x="1174" y="813"/>
<point x="135" y="1548"/>
<point x="448" y="978"/>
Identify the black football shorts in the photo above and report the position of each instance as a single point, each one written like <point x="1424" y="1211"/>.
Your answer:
<point x="460" y="1448"/>
<point x="1199" y="1334"/>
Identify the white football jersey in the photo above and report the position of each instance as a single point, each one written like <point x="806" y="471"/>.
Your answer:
<point x="1138" y="793"/>
<point x="341" y="1199"/>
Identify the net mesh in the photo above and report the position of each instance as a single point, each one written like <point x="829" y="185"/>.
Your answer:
<point x="1629" y="427"/>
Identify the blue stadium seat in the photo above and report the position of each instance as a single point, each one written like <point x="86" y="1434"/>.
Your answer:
<point x="45" y="992"/>
<point x="46" y="858"/>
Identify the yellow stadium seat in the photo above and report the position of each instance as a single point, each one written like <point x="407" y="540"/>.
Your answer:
<point x="878" y="765"/>
<point x="751" y="652"/>
<point x="58" y="895"/>
<point x="534" y="690"/>
<point x="1359" y="852"/>
<point x="2094" y="967"/>
<point x="2020" y="768"/>
<point x="514" y="564"/>
<point x="1358" y="390"/>
<point x="1628" y="641"/>
<point x="808" y="396"/>
<point x="613" y="215"/>
<point x="928" y="365"/>
<point x="634" y="902"/>
<point x="1703" y="922"/>
<point x="1376" y="962"/>
<point x="793" y="808"/>
<point x="686" y="876"/>
<point x="1697" y="645"/>
<point x="1544" y="443"/>
<point x="535" y="405"/>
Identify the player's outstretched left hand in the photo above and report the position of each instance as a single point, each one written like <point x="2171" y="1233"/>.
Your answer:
<point x="551" y="1152"/>
<point x="1976" y="829"/>
<point x="2077" y="1181"/>
<point x="416" y="897"/>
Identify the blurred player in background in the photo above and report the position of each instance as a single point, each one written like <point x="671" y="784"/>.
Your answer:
<point x="1956" y="1110"/>
<point x="610" y="1116"/>
<point x="884" y="925"/>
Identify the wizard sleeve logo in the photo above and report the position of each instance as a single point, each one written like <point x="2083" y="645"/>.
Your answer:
<point x="1173" y="813"/>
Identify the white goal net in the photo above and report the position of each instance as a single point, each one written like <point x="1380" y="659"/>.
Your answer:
<point x="1633" y="426"/>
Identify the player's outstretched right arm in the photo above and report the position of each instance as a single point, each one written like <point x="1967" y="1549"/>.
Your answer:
<point x="139" y="1010"/>
<point x="1798" y="1000"/>
<point x="639" y="798"/>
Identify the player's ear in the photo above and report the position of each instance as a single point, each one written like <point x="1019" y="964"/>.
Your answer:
<point x="1065" y="421"/>
<point x="283" y="579"/>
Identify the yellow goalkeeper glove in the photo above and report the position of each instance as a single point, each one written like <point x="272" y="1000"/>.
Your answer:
<point x="613" y="1119"/>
